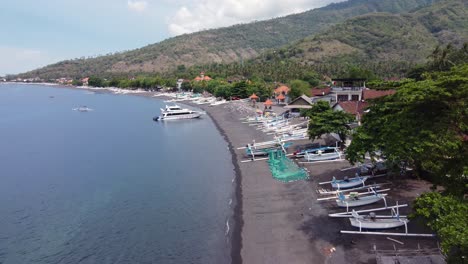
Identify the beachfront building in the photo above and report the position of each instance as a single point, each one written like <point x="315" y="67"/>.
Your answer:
<point x="348" y="89"/>
<point x="356" y="108"/>
<point x="302" y="102"/>
<point x="85" y="81"/>
<point x="322" y="94"/>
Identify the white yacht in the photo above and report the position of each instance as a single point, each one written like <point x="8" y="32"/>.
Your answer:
<point x="175" y="112"/>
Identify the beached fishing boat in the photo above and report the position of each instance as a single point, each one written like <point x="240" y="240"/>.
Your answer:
<point x="176" y="113"/>
<point x="220" y="102"/>
<point x="372" y="222"/>
<point x="355" y="199"/>
<point x="348" y="182"/>
<point x="327" y="153"/>
<point x="253" y="150"/>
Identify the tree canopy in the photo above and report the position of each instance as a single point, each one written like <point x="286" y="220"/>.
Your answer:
<point x="298" y="88"/>
<point x="425" y="125"/>
<point x="447" y="216"/>
<point x="324" y="120"/>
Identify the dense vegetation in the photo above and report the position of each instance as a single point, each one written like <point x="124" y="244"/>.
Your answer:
<point x="324" y="120"/>
<point x="226" y="45"/>
<point x="447" y="216"/>
<point x="386" y="40"/>
<point x="424" y="125"/>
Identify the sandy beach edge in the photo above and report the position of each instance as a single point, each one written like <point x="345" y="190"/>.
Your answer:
<point x="236" y="237"/>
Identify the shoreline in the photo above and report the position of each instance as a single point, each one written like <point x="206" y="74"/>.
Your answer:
<point x="277" y="222"/>
<point x="236" y="237"/>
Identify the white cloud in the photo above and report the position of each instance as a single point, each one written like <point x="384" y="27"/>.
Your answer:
<point x="17" y="60"/>
<point x="205" y="14"/>
<point x="138" y="6"/>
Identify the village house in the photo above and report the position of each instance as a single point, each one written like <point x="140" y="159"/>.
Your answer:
<point x="348" y="89"/>
<point x="356" y="108"/>
<point x="322" y="94"/>
<point x="359" y="108"/>
<point x="85" y="81"/>
<point x="64" y="81"/>
<point x="202" y="77"/>
<point x="302" y="102"/>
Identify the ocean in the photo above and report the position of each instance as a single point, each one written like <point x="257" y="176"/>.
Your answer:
<point x="109" y="185"/>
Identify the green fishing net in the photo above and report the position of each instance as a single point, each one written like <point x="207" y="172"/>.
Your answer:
<point x="284" y="169"/>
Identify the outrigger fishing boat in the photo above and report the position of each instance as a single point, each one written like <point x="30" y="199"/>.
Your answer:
<point x="253" y="150"/>
<point x="176" y="112"/>
<point x="321" y="154"/>
<point x="347" y="183"/>
<point x="355" y="199"/>
<point x="220" y="102"/>
<point x="372" y="222"/>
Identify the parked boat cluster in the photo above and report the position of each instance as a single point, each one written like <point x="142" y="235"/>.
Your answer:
<point x="284" y="131"/>
<point x="351" y="193"/>
<point x="195" y="98"/>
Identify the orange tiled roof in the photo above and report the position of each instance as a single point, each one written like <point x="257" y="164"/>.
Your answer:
<point x="371" y="94"/>
<point x="280" y="97"/>
<point x="282" y="89"/>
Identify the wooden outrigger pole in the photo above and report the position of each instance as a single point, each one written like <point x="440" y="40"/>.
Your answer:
<point x="368" y="177"/>
<point x="348" y="214"/>
<point x="325" y="192"/>
<point x="387" y="234"/>
<point x="368" y="192"/>
<point x="394" y="215"/>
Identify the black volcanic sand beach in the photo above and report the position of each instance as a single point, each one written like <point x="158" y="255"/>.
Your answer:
<point x="284" y="223"/>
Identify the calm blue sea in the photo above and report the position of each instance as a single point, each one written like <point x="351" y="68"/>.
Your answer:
<point x="111" y="185"/>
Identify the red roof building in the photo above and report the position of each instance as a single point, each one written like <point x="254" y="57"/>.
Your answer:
<point x="372" y="94"/>
<point x="320" y="91"/>
<point x="356" y="108"/>
<point x="202" y="77"/>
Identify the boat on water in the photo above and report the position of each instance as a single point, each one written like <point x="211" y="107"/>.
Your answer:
<point x="321" y="154"/>
<point x="372" y="222"/>
<point x="175" y="112"/>
<point x="82" y="109"/>
<point x="349" y="182"/>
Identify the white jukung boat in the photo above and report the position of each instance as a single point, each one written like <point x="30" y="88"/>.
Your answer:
<point x="328" y="153"/>
<point x="354" y="199"/>
<point x="175" y="113"/>
<point x="372" y="222"/>
<point x="220" y="102"/>
<point x="349" y="183"/>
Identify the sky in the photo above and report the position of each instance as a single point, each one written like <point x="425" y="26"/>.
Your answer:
<point x="35" y="33"/>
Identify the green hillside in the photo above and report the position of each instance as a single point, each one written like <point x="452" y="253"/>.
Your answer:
<point x="384" y="37"/>
<point x="225" y="45"/>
